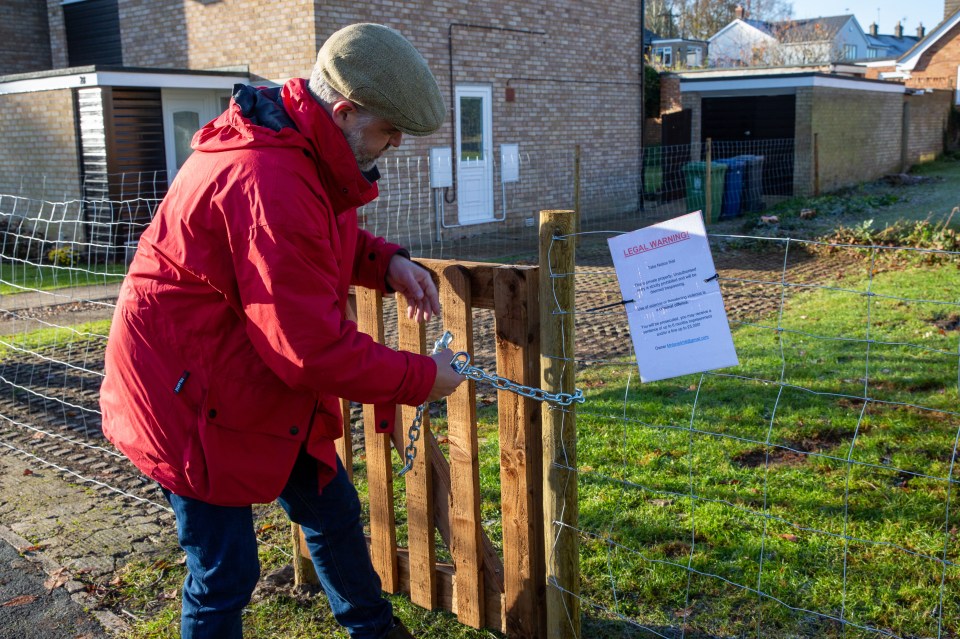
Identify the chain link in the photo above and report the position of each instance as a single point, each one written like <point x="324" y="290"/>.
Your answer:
<point x="461" y="364"/>
<point x="413" y="433"/>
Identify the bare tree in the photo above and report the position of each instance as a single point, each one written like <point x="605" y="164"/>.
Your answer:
<point x="700" y="19"/>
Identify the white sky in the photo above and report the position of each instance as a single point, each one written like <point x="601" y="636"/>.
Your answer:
<point x="911" y="13"/>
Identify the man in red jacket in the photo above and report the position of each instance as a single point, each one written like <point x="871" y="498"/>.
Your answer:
<point x="230" y="345"/>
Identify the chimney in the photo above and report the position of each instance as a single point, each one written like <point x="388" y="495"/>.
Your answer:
<point x="739" y="12"/>
<point x="898" y="31"/>
<point x="921" y="32"/>
<point x="874" y="29"/>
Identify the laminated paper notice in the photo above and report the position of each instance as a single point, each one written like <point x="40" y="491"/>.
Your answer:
<point x="672" y="298"/>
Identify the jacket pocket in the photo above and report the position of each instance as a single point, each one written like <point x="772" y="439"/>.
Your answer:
<point x="249" y="436"/>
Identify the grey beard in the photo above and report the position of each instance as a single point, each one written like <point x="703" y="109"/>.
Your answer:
<point x="364" y="160"/>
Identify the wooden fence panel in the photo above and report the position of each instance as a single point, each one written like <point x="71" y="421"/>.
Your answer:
<point x="420" y="498"/>
<point x="520" y="471"/>
<point x="383" y="531"/>
<point x="484" y="591"/>
<point x="464" y="455"/>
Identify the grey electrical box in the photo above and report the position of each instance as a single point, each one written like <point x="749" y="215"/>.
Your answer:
<point x="441" y="167"/>
<point x="510" y="162"/>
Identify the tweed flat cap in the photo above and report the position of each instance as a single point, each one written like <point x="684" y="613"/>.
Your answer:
<point x="378" y="69"/>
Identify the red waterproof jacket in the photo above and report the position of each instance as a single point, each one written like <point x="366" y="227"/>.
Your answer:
<point x="229" y="345"/>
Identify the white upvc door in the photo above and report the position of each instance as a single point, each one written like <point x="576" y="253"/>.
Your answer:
<point x="474" y="121"/>
<point x="184" y="112"/>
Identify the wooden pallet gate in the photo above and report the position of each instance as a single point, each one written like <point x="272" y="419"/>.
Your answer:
<point x="483" y="589"/>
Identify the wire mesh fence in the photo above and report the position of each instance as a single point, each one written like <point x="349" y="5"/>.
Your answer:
<point x="809" y="491"/>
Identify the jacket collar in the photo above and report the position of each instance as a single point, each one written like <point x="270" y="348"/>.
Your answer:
<point x="346" y="186"/>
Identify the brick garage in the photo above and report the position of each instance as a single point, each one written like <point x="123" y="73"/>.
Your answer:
<point x="855" y="126"/>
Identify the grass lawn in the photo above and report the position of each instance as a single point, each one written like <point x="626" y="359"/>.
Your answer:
<point x="18" y="277"/>
<point x="771" y="500"/>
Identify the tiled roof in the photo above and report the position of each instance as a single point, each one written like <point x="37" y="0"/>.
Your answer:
<point x="811" y="29"/>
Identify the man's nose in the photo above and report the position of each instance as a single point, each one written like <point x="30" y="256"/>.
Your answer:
<point x="396" y="139"/>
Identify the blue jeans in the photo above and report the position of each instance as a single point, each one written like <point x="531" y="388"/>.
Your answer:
<point x="223" y="567"/>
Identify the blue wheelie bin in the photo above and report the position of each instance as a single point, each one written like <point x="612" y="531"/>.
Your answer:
<point x="732" y="186"/>
<point x="752" y="183"/>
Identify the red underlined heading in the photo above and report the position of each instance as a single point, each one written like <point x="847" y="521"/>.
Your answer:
<point x="657" y="243"/>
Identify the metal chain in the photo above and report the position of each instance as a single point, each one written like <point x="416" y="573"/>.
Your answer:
<point x="461" y="364"/>
<point x="413" y="433"/>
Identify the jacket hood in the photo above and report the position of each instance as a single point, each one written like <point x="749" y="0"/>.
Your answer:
<point x="290" y="117"/>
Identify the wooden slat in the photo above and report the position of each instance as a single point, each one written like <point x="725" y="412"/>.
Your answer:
<point x="303" y="570"/>
<point x="345" y="443"/>
<point x="465" y="546"/>
<point x="423" y="552"/>
<point x="445" y="576"/>
<point x="383" y="549"/>
<point x="480" y="275"/>
<point x="518" y="351"/>
<point x="443" y="520"/>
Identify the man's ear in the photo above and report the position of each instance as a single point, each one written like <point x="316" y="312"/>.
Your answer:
<point x="342" y="110"/>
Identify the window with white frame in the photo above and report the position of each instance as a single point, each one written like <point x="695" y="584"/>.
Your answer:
<point x="850" y="52"/>
<point x="664" y="55"/>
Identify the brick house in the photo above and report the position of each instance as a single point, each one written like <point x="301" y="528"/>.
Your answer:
<point x="123" y="83"/>
<point x="747" y="42"/>
<point x="933" y="62"/>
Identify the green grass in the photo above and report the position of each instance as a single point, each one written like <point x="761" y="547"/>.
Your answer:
<point x="15" y="277"/>
<point x="690" y="485"/>
<point x="699" y="494"/>
<point x="55" y="338"/>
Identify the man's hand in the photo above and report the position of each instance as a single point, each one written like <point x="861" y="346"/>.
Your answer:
<point x="415" y="283"/>
<point x="447" y="379"/>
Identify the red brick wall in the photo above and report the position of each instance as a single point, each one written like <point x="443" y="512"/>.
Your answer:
<point x="23" y="37"/>
<point x="38" y="157"/>
<point x="276" y="39"/>
<point x="937" y="67"/>
<point x="927" y="117"/>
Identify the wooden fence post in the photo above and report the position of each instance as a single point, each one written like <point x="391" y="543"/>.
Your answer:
<point x="561" y="543"/>
<point x="708" y="184"/>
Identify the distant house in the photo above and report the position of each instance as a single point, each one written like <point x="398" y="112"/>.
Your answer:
<point x="885" y="46"/>
<point x="747" y="42"/>
<point x="679" y="53"/>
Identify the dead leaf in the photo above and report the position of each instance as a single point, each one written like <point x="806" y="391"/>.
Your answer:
<point x="27" y="471"/>
<point x="683" y="614"/>
<point x="34" y="548"/>
<point x="19" y="601"/>
<point x="38" y="436"/>
<point x="789" y="537"/>
<point x="56" y="579"/>
<point x="169" y="594"/>
<point x="265" y="528"/>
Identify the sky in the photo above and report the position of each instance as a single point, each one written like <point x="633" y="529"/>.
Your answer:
<point x="910" y="13"/>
